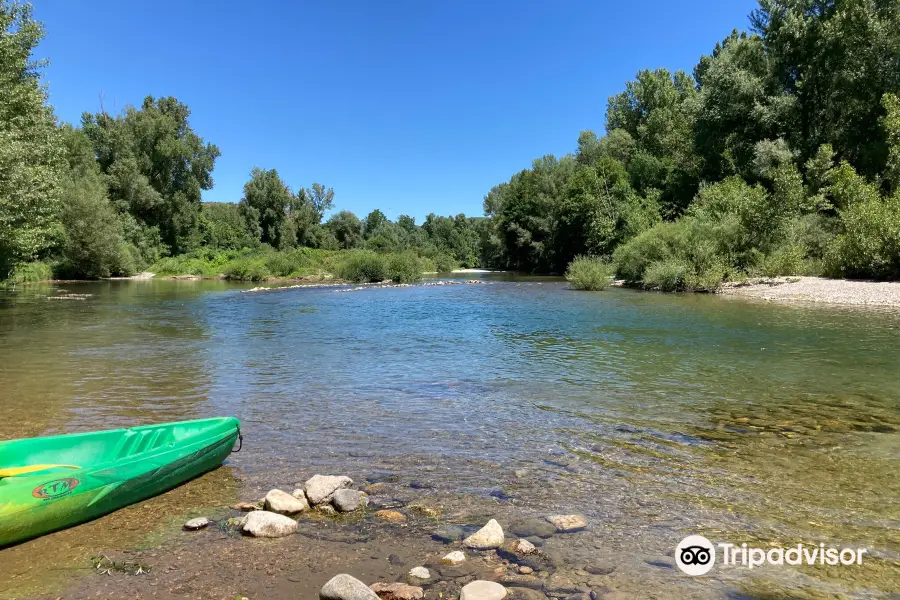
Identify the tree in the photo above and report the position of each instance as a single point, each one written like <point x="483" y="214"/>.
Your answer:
<point x="31" y="152"/>
<point x="268" y="200"/>
<point x="346" y="228"/>
<point x="156" y="167"/>
<point x="223" y="227"/>
<point x="373" y="221"/>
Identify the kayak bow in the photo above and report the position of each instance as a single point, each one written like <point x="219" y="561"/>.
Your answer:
<point x="55" y="482"/>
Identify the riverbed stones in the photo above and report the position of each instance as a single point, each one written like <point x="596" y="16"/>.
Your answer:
<point x="523" y="581"/>
<point x="397" y="591"/>
<point x="248" y="506"/>
<point x="346" y="587"/>
<point x="454" y="558"/>
<point x="568" y="523"/>
<point x="525" y="570"/>
<point x="483" y="590"/>
<point x="419" y="573"/>
<point x="281" y="502"/>
<point x="526" y="528"/>
<point x="489" y="536"/>
<point x="391" y="516"/>
<point x="524" y="547"/>
<point x="349" y="500"/>
<point x="262" y="523"/>
<point x="524" y="594"/>
<point x="560" y="583"/>
<point x="321" y="488"/>
<point x="195" y="524"/>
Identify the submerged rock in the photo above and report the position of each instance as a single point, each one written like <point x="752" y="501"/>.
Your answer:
<point x="489" y="536"/>
<point x="532" y="527"/>
<point x="483" y="590"/>
<point x="391" y="515"/>
<point x="262" y="523"/>
<point x="568" y="523"/>
<point x="284" y="503"/>
<point x="419" y="573"/>
<point x="321" y="488"/>
<point x="346" y="587"/>
<point x="397" y="591"/>
<point x="523" y="547"/>
<point x="349" y="500"/>
<point x="195" y="524"/>
<point x="247" y="506"/>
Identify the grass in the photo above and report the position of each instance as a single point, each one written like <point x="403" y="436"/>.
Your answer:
<point x="589" y="273"/>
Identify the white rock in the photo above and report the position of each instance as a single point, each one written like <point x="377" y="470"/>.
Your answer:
<point x="349" y="500"/>
<point x="525" y="547"/>
<point x="454" y="558"/>
<point x="198" y="523"/>
<point x="346" y="587"/>
<point x="397" y="591"/>
<point x="483" y="590"/>
<point x="420" y="573"/>
<point x="299" y="494"/>
<point x="262" y="523"/>
<point x="284" y="503"/>
<point x="321" y="488"/>
<point x="568" y="523"/>
<point x="489" y="536"/>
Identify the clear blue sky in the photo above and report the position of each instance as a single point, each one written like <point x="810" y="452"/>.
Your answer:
<point x="411" y="106"/>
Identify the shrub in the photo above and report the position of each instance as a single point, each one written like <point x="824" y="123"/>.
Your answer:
<point x="869" y="245"/>
<point x="247" y="269"/>
<point x="666" y="275"/>
<point x="588" y="273"/>
<point x="280" y="264"/>
<point x="444" y="263"/>
<point x="404" y="268"/>
<point x="427" y="265"/>
<point x="31" y="272"/>
<point x="363" y="267"/>
<point x="787" y="260"/>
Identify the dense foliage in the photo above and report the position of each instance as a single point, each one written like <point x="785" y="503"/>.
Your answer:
<point x="779" y="154"/>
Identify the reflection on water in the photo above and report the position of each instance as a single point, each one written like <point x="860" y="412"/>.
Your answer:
<point x="655" y="415"/>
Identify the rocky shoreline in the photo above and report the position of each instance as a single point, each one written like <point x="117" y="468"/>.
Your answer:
<point x="818" y="290"/>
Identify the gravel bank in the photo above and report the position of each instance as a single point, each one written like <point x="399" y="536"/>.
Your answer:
<point x="820" y="290"/>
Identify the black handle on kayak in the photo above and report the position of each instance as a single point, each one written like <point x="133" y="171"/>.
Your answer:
<point x="240" y="442"/>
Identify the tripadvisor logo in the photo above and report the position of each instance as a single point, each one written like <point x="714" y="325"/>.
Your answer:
<point x="696" y="555"/>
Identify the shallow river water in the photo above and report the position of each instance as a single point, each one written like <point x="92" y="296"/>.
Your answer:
<point x="655" y="416"/>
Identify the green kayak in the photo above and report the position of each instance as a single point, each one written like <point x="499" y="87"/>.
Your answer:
<point x="55" y="482"/>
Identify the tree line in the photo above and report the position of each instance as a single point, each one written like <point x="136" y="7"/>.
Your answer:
<point x="778" y="154"/>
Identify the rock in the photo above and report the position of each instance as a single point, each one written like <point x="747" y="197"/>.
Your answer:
<point x="345" y="587"/>
<point x="195" y="524"/>
<point x="419" y="573"/>
<point x="284" y="503"/>
<point x="524" y="594"/>
<point x="535" y="540"/>
<point x="489" y="536"/>
<point x="375" y="488"/>
<point x="391" y="515"/>
<point x="397" y="591"/>
<point x="326" y="509"/>
<point x="396" y="560"/>
<point x="599" y="569"/>
<point x="483" y="590"/>
<point x="579" y="596"/>
<point x="454" y="558"/>
<point x="532" y="527"/>
<point x="568" y="523"/>
<point x="453" y="533"/>
<point x="560" y="583"/>
<point x="524" y="547"/>
<point x="299" y="494"/>
<point x="247" y="506"/>
<point x="465" y="569"/>
<point x="349" y="500"/>
<point x="262" y="523"/>
<point x="523" y="570"/>
<point x="522" y="581"/>
<point x="424" y="509"/>
<point x="321" y="488"/>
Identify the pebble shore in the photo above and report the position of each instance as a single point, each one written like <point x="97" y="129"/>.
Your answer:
<point x="818" y="290"/>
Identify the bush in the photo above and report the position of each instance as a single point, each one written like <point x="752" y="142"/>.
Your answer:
<point x="787" y="260"/>
<point x="280" y="264"/>
<point x="247" y="269"/>
<point x="404" y="268"/>
<point x="363" y="267"/>
<point x="588" y="273"/>
<point x="869" y="246"/>
<point x="31" y="272"/>
<point x="666" y="275"/>
<point x="444" y="263"/>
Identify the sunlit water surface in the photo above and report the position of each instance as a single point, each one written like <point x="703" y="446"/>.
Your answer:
<point x="656" y="416"/>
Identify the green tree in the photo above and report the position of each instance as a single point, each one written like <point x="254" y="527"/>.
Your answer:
<point x="268" y="200"/>
<point x="346" y="228"/>
<point x="224" y="227"/>
<point x="31" y="151"/>
<point x="156" y="167"/>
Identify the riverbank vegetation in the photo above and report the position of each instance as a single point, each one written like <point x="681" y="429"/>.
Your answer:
<point x="779" y="154"/>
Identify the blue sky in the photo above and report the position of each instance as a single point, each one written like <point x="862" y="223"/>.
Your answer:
<point x="411" y="106"/>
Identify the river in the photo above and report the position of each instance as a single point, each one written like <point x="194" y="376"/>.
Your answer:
<point x="656" y="416"/>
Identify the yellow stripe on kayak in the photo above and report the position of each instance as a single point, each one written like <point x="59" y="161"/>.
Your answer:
<point x="13" y="471"/>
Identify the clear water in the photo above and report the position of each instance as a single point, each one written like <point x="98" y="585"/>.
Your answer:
<point x="656" y="416"/>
